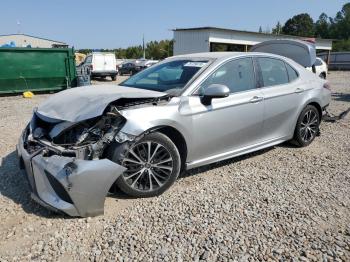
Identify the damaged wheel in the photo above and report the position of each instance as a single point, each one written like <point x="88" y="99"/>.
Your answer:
<point x="153" y="165"/>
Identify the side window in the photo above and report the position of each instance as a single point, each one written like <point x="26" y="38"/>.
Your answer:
<point x="291" y="73"/>
<point x="88" y="59"/>
<point x="273" y="71"/>
<point x="237" y="75"/>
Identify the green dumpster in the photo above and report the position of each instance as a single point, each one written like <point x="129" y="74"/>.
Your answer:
<point x="36" y="69"/>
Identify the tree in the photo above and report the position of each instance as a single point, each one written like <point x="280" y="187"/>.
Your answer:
<point x="154" y="50"/>
<point x="342" y="45"/>
<point x="299" y="25"/>
<point x="159" y="50"/>
<point x="134" y="52"/>
<point x="340" y="25"/>
<point x="278" y="29"/>
<point x="322" y="26"/>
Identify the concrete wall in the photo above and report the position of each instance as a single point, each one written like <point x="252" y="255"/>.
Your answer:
<point x="24" y="40"/>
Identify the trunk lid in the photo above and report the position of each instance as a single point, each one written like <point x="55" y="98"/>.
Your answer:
<point x="302" y="52"/>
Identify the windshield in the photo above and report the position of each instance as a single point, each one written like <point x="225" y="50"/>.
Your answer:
<point x="170" y="77"/>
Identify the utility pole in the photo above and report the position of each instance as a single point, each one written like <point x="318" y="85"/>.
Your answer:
<point x="143" y="46"/>
<point x="18" y="27"/>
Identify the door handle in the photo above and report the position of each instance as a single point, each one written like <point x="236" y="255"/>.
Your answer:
<point x="299" y="90"/>
<point x="256" y="99"/>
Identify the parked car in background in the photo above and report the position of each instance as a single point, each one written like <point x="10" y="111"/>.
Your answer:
<point x="146" y="64"/>
<point x="320" y="67"/>
<point x="133" y="67"/>
<point x="127" y="68"/>
<point x="185" y="112"/>
<point x="100" y="65"/>
<point x="120" y="61"/>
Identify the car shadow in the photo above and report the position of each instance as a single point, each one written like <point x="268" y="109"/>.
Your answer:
<point x="341" y="97"/>
<point x="202" y="169"/>
<point x="100" y="79"/>
<point x="14" y="186"/>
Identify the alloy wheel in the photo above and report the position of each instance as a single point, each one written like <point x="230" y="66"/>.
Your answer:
<point x="309" y="126"/>
<point x="149" y="166"/>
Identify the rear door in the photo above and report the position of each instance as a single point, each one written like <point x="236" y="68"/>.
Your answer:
<point x="282" y="97"/>
<point x="98" y="62"/>
<point x="110" y="63"/>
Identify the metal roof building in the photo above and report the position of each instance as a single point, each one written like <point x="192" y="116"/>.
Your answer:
<point x="22" y="40"/>
<point x="209" y="39"/>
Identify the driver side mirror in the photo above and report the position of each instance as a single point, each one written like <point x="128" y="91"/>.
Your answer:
<point x="214" y="91"/>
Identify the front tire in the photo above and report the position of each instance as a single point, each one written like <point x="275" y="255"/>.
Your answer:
<point x="307" y="127"/>
<point x="153" y="164"/>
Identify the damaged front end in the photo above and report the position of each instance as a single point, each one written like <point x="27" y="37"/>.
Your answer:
<point x="65" y="162"/>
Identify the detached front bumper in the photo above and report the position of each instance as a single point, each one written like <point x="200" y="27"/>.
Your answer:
<point x="74" y="186"/>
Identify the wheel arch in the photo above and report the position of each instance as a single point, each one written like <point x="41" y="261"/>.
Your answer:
<point x="177" y="138"/>
<point x="318" y="107"/>
<point x="313" y="102"/>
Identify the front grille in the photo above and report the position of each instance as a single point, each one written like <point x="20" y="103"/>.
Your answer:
<point x="58" y="188"/>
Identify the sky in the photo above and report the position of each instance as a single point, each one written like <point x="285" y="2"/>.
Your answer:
<point x="114" y="24"/>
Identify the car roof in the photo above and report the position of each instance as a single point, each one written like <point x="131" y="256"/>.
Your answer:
<point x="211" y="55"/>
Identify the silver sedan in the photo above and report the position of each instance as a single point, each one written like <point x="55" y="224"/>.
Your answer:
<point x="182" y="113"/>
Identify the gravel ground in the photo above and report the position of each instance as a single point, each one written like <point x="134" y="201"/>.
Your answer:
<point x="282" y="203"/>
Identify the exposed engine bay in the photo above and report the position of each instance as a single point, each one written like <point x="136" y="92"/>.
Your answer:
<point x="86" y="139"/>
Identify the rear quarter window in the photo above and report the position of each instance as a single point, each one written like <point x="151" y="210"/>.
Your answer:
<point x="292" y="74"/>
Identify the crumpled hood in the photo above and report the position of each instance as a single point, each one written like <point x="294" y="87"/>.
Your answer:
<point x="81" y="103"/>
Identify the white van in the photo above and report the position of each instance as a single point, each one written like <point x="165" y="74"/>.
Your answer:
<point x="100" y="65"/>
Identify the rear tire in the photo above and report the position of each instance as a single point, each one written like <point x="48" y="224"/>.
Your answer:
<point x="153" y="164"/>
<point x="113" y="78"/>
<point x="307" y="127"/>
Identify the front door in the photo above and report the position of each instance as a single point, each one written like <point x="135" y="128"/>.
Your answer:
<point x="229" y="124"/>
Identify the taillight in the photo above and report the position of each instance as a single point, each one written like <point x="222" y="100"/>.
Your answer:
<point x="327" y="86"/>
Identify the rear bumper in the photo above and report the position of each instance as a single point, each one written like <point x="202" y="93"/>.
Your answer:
<point x="105" y="73"/>
<point x="73" y="186"/>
